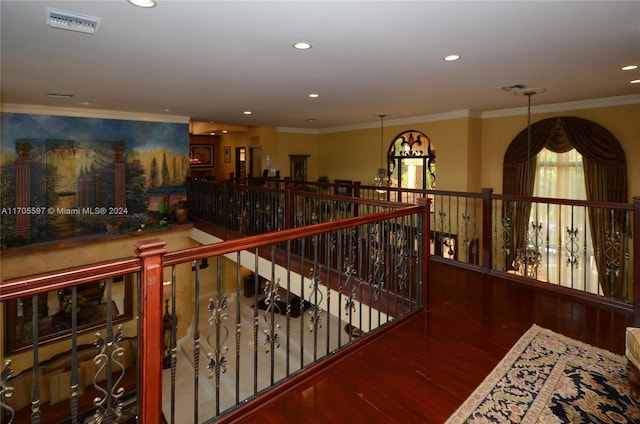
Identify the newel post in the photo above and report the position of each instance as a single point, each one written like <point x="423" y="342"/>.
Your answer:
<point x="288" y="206"/>
<point x="356" y="188"/>
<point x="150" y="331"/>
<point x="636" y="262"/>
<point x="487" y="213"/>
<point x="425" y="246"/>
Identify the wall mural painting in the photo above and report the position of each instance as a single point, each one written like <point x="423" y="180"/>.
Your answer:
<point x="63" y="177"/>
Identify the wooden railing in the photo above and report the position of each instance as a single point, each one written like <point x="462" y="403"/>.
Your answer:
<point x="581" y="246"/>
<point x="352" y="277"/>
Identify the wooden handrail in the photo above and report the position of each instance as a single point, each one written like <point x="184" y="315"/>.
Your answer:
<point x="252" y="242"/>
<point x="19" y="287"/>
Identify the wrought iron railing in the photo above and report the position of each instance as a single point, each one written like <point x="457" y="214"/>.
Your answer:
<point x="581" y="245"/>
<point x="252" y="209"/>
<point x="261" y="312"/>
<point x="275" y="306"/>
<point x="587" y="247"/>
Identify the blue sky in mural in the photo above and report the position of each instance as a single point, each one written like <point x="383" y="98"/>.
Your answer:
<point x="137" y="135"/>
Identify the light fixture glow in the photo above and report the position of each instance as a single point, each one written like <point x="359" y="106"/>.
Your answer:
<point x="629" y="68"/>
<point x="302" y="45"/>
<point x="314" y="95"/>
<point x="247" y="112"/>
<point x="635" y="81"/>
<point x="451" y="58"/>
<point x="143" y="3"/>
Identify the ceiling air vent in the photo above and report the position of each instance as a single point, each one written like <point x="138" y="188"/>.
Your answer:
<point x="72" y="21"/>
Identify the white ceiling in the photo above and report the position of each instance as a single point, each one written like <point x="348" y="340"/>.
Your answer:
<point x="212" y="60"/>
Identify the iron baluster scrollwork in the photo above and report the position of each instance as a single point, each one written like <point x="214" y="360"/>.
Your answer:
<point x="612" y="254"/>
<point x="217" y="360"/>
<point x="106" y="361"/>
<point x="268" y="213"/>
<point x="506" y="236"/>
<point x="573" y="247"/>
<point x="403" y="254"/>
<point x="272" y="338"/>
<point x="376" y="252"/>
<point x="299" y="219"/>
<point x="534" y="236"/>
<point x="349" y="272"/>
<point x="280" y="218"/>
<point x="466" y="220"/>
<point x="6" y="391"/>
<point x="315" y="298"/>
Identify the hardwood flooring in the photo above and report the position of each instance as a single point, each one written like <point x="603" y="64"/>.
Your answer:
<point x="424" y="368"/>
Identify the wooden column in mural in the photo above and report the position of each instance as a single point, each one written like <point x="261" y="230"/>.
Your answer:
<point x="120" y="178"/>
<point x="23" y="190"/>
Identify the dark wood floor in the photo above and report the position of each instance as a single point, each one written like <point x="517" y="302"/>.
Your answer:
<point x="422" y="370"/>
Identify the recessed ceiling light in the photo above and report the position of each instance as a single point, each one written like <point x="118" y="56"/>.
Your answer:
<point x="86" y="103"/>
<point x="629" y="68"/>
<point x="247" y="112"/>
<point x="311" y="120"/>
<point x="636" y="81"/>
<point x="302" y="45"/>
<point x="451" y="58"/>
<point x="143" y="3"/>
<point x="314" y="95"/>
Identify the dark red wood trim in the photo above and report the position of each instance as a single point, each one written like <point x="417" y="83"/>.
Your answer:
<point x="425" y="203"/>
<point x="636" y="261"/>
<point x="150" y="330"/>
<point x="252" y="242"/>
<point x="19" y="287"/>
<point x="487" y="211"/>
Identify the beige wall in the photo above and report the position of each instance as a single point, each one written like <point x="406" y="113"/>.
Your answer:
<point x="57" y="257"/>
<point x="470" y="151"/>
<point x="621" y="121"/>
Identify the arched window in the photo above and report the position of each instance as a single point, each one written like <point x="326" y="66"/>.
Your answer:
<point x="605" y="175"/>
<point x="411" y="161"/>
<point x="561" y="176"/>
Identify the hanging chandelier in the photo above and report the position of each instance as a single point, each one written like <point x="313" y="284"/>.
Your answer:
<point x="381" y="178"/>
<point x="528" y="259"/>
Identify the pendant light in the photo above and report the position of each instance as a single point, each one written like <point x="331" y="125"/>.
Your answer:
<point x="381" y="178"/>
<point x="528" y="92"/>
<point x="528" y="258"/>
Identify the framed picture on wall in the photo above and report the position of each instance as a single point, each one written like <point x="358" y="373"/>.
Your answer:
<point x="201" y="155"/>
<point x="227" y="154"/>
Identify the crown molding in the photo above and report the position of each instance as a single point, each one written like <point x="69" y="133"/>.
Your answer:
<point x="400" y="121"/>
<point x="92" y="113"/>
<point x="292" y="130"/>
<point x="565" y="106"/>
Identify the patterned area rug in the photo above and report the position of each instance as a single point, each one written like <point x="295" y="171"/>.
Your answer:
<point x="549" y="378"/>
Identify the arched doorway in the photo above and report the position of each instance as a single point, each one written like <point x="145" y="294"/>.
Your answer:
<point x="411" y="161"/>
